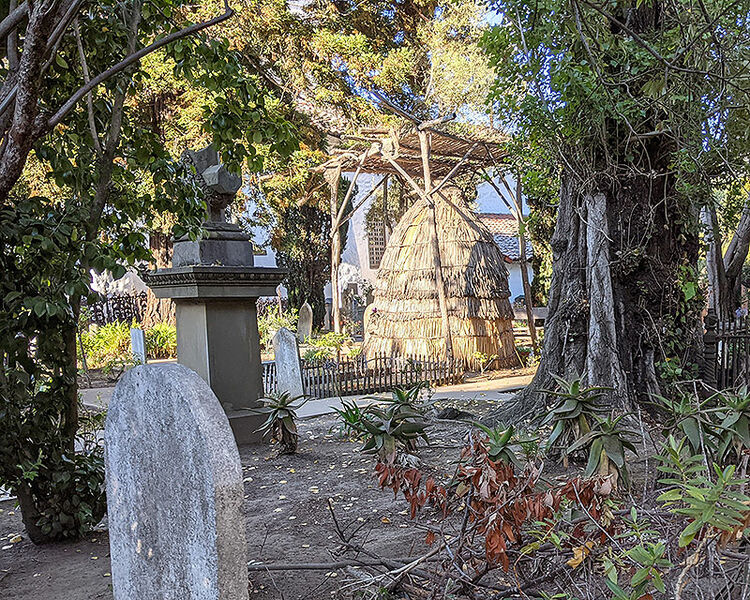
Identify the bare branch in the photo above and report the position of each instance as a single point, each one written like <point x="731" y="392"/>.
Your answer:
<point x="13" y="19"/>
<point x="89" y="96"/>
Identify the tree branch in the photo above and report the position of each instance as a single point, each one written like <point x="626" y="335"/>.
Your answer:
<point x="132" y="59"/>
<point x="13" y="19"/>
<point x="89" y="96"/>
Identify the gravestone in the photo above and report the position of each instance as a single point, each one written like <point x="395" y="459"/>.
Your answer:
<point x="174" y="490"/>
<point x="288" y="368"/>
<point x="327" y="318"/>
<point x="138" y="345"/>
<point x="305" y="322"/>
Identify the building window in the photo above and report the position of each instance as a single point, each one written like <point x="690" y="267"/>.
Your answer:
<point x="376" y="245"/>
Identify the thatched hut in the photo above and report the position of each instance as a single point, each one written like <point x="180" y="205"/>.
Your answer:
<point x="406" y="318"/>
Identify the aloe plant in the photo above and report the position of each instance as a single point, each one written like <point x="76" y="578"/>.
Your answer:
<point x="607" y="442"/>
<point x="500" y="441"/>
<point x="574" y="414"/>
<point x="281" y="422"/>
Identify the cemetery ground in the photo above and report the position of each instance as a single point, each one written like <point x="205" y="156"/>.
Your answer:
<point x="287" y="514"/>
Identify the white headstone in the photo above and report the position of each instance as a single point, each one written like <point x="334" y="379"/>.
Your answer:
<point x="174" y="490"/>
<point x="305" y="322"/>
<point x="138" y="345"/>
<point x="288" y="368"/>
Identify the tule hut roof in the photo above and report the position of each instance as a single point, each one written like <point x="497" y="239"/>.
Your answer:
<point x="405" y="320"/>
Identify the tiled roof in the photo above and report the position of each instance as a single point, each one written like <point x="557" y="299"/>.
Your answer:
<point x="500" y="223"/>
<point x="508" y="245"/>
<point x="504" y="229"/>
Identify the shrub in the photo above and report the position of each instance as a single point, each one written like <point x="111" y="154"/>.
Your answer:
<point x="271" y="321"/>
<point x="161" y="341"/>
<point x="107" y="347"/>
<point x="326" y="346"/>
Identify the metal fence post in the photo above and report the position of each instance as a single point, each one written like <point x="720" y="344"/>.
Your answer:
<point x="710" y="349"/>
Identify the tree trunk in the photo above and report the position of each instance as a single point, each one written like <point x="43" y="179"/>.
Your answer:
<point x="159" y="310"/>
<point x="616" y="306"/>
<point x="725" y="272"/>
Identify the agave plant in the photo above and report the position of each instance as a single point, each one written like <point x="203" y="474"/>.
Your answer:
<point x="573" y="415"/>
<point x="607" y="443"/>
<point x="281" y="421"/>
<point x="408" y="399"/>
<point x="694" y="419"/>
<point x="390" y="429"/>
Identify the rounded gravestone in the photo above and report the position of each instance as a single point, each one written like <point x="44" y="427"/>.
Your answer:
<point x="174" y="490"/>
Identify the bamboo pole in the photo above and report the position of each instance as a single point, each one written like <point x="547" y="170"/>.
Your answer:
<point x="334" y="175"/>
<point x="424" y="144"/>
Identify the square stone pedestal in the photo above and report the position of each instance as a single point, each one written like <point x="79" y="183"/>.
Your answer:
<point x="217" y="332"/>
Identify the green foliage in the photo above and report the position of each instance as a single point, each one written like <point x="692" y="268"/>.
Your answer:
<point x="107" y="347"/>
<point x="718" y="426"/>
<point x="733" y="424"/>
<point x="573" y="416"/>
<point x="500" y="443"/>
<point x="651" y="561"/>
<point x="607" y="443"/>
<point x="60" y="490"/>
<point x="161" y="340"/>
<point x="281" y="421"/>
<point x="410" y="399"/>
<point x="271" y="321"/>
<point x="326" y="346"/>
<point x="110" y="178"/>
<point x="294" y="204"/>
<point x="708" y="504"/>
<point x="390" y="429"/>
<point x="350" y="418"/>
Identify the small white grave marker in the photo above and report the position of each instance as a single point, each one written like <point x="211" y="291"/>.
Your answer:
<point x="138" y="345"/>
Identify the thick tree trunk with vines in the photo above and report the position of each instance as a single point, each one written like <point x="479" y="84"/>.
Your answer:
<point x="615" y="296"/>
<point x="725" y="271"/>
<point x="159" y="310"/>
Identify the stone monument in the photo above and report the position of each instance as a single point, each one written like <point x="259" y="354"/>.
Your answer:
<point x="305" y="322"/>
<point x="174" y="490"/>
<point x="215" y="285"/>
<point x="288" y="368"/>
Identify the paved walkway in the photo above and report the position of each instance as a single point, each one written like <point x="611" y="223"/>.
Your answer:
<point x="493" y="389"/>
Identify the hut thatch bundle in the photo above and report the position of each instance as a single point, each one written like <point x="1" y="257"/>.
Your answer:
<point x="406" y="321"/>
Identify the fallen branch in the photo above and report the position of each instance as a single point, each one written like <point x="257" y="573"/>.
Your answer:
<point x="332" y="566"/>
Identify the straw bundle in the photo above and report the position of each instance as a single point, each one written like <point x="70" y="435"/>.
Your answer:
<point x="406" y="321"/>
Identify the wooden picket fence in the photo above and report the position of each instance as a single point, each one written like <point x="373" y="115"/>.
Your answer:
<point x="726" y="359"/>
<point x="352" y="377"/>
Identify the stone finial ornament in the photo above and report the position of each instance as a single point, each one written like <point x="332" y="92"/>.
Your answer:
<point x="219" y="185"/>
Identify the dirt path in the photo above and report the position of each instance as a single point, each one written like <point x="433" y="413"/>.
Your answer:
<point x="287" y="521"/>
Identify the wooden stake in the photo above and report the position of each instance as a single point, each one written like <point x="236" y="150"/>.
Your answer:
<point x="424" y="144"/>
<point x="524" y="272"/>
